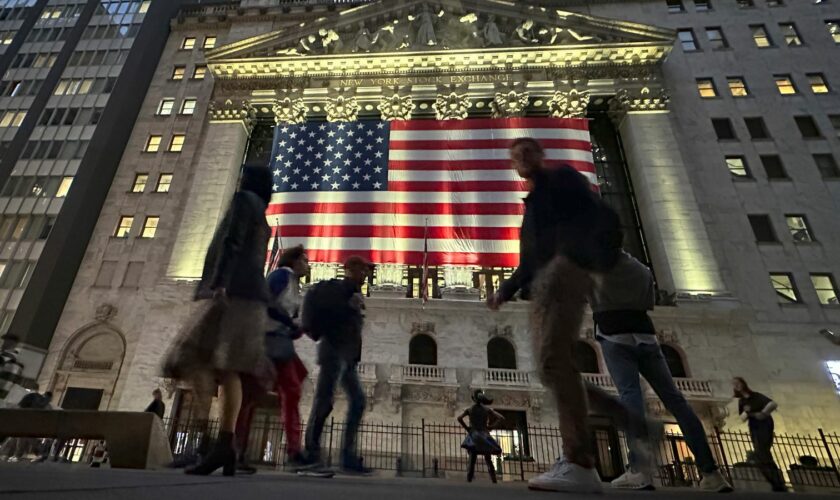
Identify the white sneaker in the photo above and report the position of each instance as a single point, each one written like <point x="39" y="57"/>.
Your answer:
<point x="715" y="482"/>
<point x="632" y="480"/>
<point x="568" y="477"/>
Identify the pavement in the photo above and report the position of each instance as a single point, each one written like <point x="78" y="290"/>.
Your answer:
<point x="68" y="482"/>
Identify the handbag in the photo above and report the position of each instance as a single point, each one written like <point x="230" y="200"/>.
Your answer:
<point x="279" y="345"/>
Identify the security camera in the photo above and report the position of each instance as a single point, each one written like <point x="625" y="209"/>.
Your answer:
<point x="830" y="335"/>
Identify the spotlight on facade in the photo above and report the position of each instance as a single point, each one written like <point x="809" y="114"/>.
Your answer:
<point x="831" y="336"/>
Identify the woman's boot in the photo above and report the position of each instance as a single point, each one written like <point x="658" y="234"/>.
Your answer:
<point x="223" y="455"/>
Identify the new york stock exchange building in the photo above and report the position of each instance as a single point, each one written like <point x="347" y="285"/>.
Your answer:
<point x="697" y="140"/>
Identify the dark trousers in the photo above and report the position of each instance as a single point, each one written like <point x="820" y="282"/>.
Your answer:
<point x="488" y="459"/>
<point x="762" y="439"/>
<point x="335" y="370"/>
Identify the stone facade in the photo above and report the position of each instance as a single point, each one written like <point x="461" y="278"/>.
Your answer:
<point x="727" y="320"/>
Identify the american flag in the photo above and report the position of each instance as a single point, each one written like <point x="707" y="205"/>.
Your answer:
<point x="388" y="191"/>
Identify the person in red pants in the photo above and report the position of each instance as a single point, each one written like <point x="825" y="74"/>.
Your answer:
<point x="290" y="372"/>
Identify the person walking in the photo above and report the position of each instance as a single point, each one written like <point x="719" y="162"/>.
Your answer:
<point x="284" y="285"/>
<point x="567" y="233"/>
<point x="479" y="441"/>
<point x="756" y="409"/>
<point x="157" y="406"/>
<point x="333" y="315"/>
<point x="225" y="338"/>
<point x="620" y="301"/>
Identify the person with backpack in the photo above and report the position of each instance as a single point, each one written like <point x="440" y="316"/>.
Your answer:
<point x="567" y="234"/>
<point x="333" y="316"/>
<point x="478" y="440"/>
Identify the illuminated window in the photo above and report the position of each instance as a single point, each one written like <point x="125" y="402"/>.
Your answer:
<point x="773" y="167"/>
<point x="200" y="72"/>
<point x="164" y="183"/>
<point x="64" y="187"/>
<point x="179" y="72"/>
<point x="785" y="288"/>
<point x="124" y="227"/>
<point x="209" y="42"/>
<point x="760" y="36"/>
<point x="762" y="228"/>
<point x="144" y="6"/>
<point x="799" y="229"/>
<point x="12" y="118"/>
<point x="140" y="181"/>
<point x="826" y="289"/>
<point x="785" y="84"/>
<point x="706" y="88"/>
<point x="807" y="127"/>
<point x="176" y="145"/>
<point x="818" y="83"/>
<point x="737" y="86"/>
<point x="153" y="144"/>
<point x="675" y="6"/>
<point x="188" y="43"/>
<point x="716" y="38"/>
<point x="827" y="165"/>
<point x="834" y="30"/>
<point x="790" y="34"/>
<point x="165" y="107"/>
<point x="150" y="227"/>
<point x="702" y="5"/>
<point x="188" y="106"/>
<point x="687" y="40"/>
<point x="737" y="167"/>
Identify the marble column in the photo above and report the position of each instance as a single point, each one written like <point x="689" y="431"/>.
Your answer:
<point x="679" y="244"/>
<point x="214" y="181"/>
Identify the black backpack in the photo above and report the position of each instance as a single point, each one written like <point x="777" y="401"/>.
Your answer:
<point x="325" y="308"/>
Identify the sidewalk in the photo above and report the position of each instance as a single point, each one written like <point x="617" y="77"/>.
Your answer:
<point x="61" y="481"/>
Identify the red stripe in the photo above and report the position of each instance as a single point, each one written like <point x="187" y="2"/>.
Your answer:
<point x="398" y="208"/>
<point x="403" y="232"/>
<point x="490" y="123"/>
<point x="416" y="258"/>
<point x="486" y="144"/>
<point x="580" y="166"/>
<point x="456" y="186"/>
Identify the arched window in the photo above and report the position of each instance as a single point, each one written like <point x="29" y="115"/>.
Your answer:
<point x="674" y="361"/>
<point x="586" y="359"/>
<point x="422" y="350"/>
<point x="501" y="354"/>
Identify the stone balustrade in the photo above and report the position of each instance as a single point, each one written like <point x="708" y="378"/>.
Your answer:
<point x="366" y="371"/>
<point x="497" y="377"/>
<point x="424" y="374"/>
<point x="694" y="387"/>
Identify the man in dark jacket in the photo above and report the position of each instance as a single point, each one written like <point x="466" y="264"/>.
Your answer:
<point x="333" y="315"/>
<point x="157" y="406"/>
<point x="567" y="233"/>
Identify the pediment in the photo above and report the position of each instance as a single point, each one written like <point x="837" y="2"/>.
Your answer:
<point x="387" y="27"/>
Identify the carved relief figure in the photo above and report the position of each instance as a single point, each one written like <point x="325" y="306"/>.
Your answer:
<point x="426" y="33"/>
<point x="492" y="35"/>
<point x="364" y="40"/>
<point x="525" y="33"/>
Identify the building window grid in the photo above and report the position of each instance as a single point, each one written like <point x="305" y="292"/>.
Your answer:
<point x="762" y="228"/>
<point x="675" y="6"/>
<point x="178" y="72"/>
<point x="150" y="226"/>
<point x="826" y="288"/>
<point x="188" y="43"/>
<point x="799" y="228"/>
<point x="807" y="127"/>
<point x="737" y="166"/>
<point x="737" y="86"/>
<point x="706" y="88"/>
<point x="761" y="37"/>
<point x="745" y="4"/>
<point x="790" y="34"/>
<point x="164" y="183"/>
<point x="757" y="128"/>
<point x="773" y="167"/>
<point x="834" y="30"/>
<point x="209" y="42"/>
<point x="818" y="83"/>
<point x="176" y="144"/>
<point x="687" y="40"/>
<point x="785" y="288"/>
<point x="140" y="181"/>
<point x="165" y="107"/>
<point x="827" y="165"/>
<point x="835" y="124"/>
<point x="124" y="227"/>
<point x="785" y="85"/>
<point x="716" y="38"/>
<point x="188" y="106"/>
<point x="153" y="144"/>
<point x="199" y="72"/>
<point x="702" y="5"/>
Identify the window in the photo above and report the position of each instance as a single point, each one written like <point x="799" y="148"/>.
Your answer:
<point x="674" y="361"/>
<point x="827" y="166"/>
<point x="807" y="127"/>
<point x="775" y="3"/>
<point x="140" y="181"/>
<point x="738" y="167"/>
<point x="744" y="4"/>
<point x="790" y="34"/>
<point x="834" y="30"/>
<point x="799" y="228"/>
<point x="723" y="129"/>
<point x="785" y="84"/>
<point x="188" y="43"/>
<point x="687" y="40"/>
<point x="422" y="350"/>
<point x="124" y="227"/>
<point x="826" y="289"/>
<point x="706" y="88"/>
<point x="817" y="83"/>
<point x="773" y="167"/>
<point x="178" y="72"/>
<point x="144" y="6"/>
<point x="153" y="144"/>
<point x="165" y="107"/>
<point x="675" y="6"/>
<point x="702" y="5"/>
<point x="200" y="72"/>
<point x="501" y="354"/>
<point x="150" y="227"/>
<point x="133" y="274"/>
<point x="760" y="36"/>
<point x="835" y="124"/>
<point x="209" y="42"/>
<point x="12" y="118"/>
<point x="585" y="359"/>
<point x="64" y="187"/>
<point x="716" y="38"/>
<point x="784" y="287"/>
<point x="176" y="145"/>
<point x="188" y="106"/>
<point x="737" y="86"/>
<point x="762" y="229"/>
<point x="757" y="128"/>
<point x="164" y="183"/>
<point x="105" y="276"/>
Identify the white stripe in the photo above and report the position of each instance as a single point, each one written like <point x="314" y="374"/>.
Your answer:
<point x="453" y="175"/>
<point x="405" y="220"/>
<point x="485" y="134"/>
<point x="453" y="155"/>
<point x="400" y="197"/>
<point x="407" y="244"/>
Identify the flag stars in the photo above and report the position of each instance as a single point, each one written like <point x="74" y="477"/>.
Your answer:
<point x="294" y="186"/>
<point x="356" y="185"/>
<point x="345" y="177"/>
<point x="377" y="185"/>
<point x="335" y="186"/>
<point x="285" y="179"/>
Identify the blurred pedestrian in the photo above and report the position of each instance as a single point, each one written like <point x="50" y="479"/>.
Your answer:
<point x="479" y="441"/>
<point x="756" y="409"/>
<point x="11" y="372"/>
<point x="157" y="406"/>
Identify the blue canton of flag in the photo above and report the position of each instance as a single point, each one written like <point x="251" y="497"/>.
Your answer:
<point x="321" y="156"/>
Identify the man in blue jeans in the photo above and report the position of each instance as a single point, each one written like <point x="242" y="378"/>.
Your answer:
<point x="620" y="301"/>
